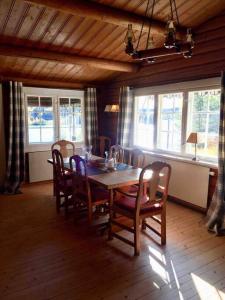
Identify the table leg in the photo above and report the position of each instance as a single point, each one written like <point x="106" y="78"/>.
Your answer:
<point x="110" y="213"/>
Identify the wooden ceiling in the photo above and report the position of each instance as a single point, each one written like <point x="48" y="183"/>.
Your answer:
<point x="73" y="47"/>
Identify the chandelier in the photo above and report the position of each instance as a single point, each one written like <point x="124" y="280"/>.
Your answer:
<point x="172" y="45"/>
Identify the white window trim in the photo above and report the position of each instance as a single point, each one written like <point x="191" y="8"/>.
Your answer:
<point x="55" y="94"/>
<point x="184" y="87"/>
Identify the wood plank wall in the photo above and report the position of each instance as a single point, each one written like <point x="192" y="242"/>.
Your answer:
<point x="208" y="61"/>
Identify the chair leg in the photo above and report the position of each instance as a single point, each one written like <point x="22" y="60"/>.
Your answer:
<point x="136" y="237"/>
<point x="66" y="205"/>
<point x="163" y="227"/>
<point x="111" y="214"/>
<point x="58" y="202"/>
<point x="143" y="224"/>
<point x="90" y="213"/>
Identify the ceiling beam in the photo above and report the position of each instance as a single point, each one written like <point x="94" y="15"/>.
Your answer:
<point x="67" y="58"/>
<point x="44" y="82"/>
<point x="104" y="13"/>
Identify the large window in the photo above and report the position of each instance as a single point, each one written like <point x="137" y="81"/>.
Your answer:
<point x="40" y="119"/>
<point x="163" y="121"/>
<point x="170" y="121"/>
<point x="203" y="118"/>
<point x="144" y="122"/>
<point x="70" y="119"/>
<point x="52" y="115"/>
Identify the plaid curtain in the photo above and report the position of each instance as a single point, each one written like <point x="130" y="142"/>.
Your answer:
<point x="216" y="210"/>
<point x="15" y="161"/>
<point x="125" y="117"/>
<point x="91" y="115"/>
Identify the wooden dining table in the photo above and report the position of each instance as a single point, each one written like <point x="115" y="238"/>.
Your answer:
<point x="123" y="175"/>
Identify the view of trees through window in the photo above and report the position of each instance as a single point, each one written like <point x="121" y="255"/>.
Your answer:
<point x="49" y="119"/>
<point x="70" y="119"/>
<point x="144" y="122"/>
<point x="175" y="121"/>
<point x="40" y="119"/>
<point x="203" y="118"/>
<point x="170" y="121"/>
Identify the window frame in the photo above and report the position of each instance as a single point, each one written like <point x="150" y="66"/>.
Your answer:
<point x="185" y="88"/>
<point x="55" y="94"/>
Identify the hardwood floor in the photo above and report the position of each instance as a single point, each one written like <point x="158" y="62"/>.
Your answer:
<point x="45" y="256"/>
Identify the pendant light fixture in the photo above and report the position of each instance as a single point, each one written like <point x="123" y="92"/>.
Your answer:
<point x="172" y="46"/>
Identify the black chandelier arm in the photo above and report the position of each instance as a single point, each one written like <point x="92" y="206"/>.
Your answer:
<point x="142" y="26"/>
<point x="181" y="48"/>
<point x="150" y="25"/>
<point x="175" y="6"/>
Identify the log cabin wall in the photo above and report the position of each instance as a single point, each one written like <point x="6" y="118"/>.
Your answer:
<point x="208" y="61"/>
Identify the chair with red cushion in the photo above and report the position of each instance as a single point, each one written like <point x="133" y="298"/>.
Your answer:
<point x="148" y="202"/>
<point x="85" y="193"/>
<point x="117" y="152"/>
<point x="62" y="181"/>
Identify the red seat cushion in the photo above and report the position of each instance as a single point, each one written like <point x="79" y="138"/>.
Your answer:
<point x="128" y="203"/>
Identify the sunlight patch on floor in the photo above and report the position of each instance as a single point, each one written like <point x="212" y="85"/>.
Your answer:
<point x="158" y="264"/>
<point x="205" y="290"/>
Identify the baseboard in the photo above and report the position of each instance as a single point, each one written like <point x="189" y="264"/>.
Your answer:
<point x="187" y="204"/>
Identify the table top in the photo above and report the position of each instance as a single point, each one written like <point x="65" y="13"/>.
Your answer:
<point x="124" y="175"/>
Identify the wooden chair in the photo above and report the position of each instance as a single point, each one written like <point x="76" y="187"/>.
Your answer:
<point x="102" y="144"/>
<point x="64" y="146"/>
<point x="147" y="203"/>
<point x="62" y="181"/>
<point x="136" y="158"/>
<point x="118" y="151"/>
<point x="86" y="194"/>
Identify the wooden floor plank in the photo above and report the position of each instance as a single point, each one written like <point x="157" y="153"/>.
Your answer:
<point x="45" y="256"/>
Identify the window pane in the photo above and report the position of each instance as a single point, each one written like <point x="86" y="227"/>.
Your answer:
<point x="144" y="126"/>
<point x="70" y="119"/>
<point x="170" y="121"/>
<point x="40" y="120"/>
<point x="203" y="118"/>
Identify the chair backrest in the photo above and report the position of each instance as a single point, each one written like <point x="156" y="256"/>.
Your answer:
<point x="136" y="158"/>
<point x="78" y="164"/>
<point x="64" y="146"/>
<point x="103" y="143"/>
<point x="80" y="180"/>
<point x="118" y="151"/>
<point x="58" y="165"/>
<point x="156" y="187"/>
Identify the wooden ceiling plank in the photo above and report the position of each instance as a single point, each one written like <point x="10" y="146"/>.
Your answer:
<point x="67" y="58"/>
<point x="43" y="82"/>
<point x="100" y="40"/>
<point x="55" y="28"/>
<point x="22" y="18"/>
<point x="7" y="15"/>
<point x="42" y="25"/>
<point x="103" y="13"/>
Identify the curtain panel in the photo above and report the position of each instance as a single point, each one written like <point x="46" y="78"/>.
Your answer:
<point x="15" y="137"/>
<point x="216" y="212"/>
<point x="91" y="116"/>
<point x="125" y="117"/>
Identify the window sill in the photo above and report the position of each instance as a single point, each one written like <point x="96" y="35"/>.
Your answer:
<point x="183" y="159"/>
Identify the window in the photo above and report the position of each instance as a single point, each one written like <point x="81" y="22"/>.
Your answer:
<point x="53" y="115"/>
<point x="170" y="121"/>
<point x="70" y="119"/>
<point x="163" y="120"/>
<point x="145" y="106"/>
<point x="40" y="120"/>
<point x="203" y="118"/>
